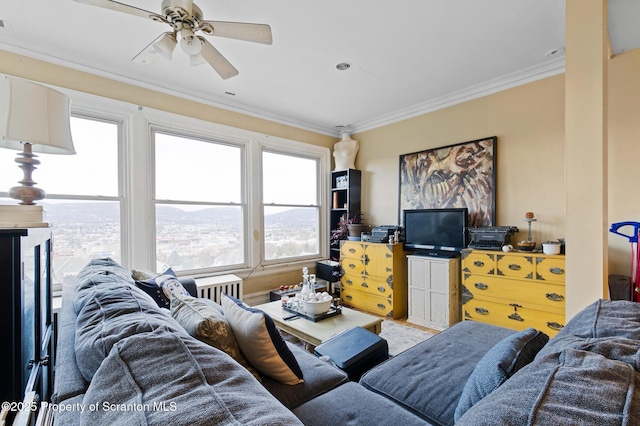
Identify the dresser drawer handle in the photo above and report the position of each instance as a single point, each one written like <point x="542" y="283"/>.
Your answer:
<point x="352" y="266"/>
<point x="381" y="289"/>
<point x="365" y="285"/>
<point x="555" y="297"/>
<point x="352" y="250"/>
<point x="516" y="317"/>
<point x="481" y="286"/>
<point x="478" y="263"/>
<point x="555" y="326"/>
<point x="348" y="297"/>
<point x="348" y="282"/>
<point x="482" y="311"/>
<point x="381" y="306"/>
<point x="556" y="271"/>
<point x="515" y="267"/>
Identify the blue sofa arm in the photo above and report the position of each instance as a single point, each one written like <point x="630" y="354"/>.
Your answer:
<point x="189" y="283"/>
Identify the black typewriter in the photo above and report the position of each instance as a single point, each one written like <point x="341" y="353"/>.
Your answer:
<point x="491" y="237"/>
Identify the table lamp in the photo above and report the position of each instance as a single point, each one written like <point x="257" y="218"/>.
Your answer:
<point x="33" y="118"/>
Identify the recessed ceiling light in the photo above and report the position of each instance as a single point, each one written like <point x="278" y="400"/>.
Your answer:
<point x="555" y="52"/>
<point x="343" y="66"/>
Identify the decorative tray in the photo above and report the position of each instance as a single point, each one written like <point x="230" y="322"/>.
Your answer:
<point x="332" y="312"/>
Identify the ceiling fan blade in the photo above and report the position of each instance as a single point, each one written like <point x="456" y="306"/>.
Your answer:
<point x="149" y="54"/>
<point x="216" y="60"/>
<point x="257" y="33"/>
<point x="121" y="7"/>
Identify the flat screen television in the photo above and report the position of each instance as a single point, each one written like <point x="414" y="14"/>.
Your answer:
<point x="435" y="232"/>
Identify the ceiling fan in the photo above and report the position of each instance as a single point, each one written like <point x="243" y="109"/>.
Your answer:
<point x="185" y="19"/>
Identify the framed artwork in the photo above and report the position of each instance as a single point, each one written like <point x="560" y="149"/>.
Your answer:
<point x="460" y="175"/>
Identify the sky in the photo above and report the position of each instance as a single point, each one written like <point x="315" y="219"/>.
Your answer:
<point x="186" y="169"/>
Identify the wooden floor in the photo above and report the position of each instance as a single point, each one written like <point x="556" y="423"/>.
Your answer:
<point x="401" y="321"/>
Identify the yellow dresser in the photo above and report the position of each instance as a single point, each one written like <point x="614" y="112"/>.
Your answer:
<point x="514" y="290"/>
<point x="374" y="277"/>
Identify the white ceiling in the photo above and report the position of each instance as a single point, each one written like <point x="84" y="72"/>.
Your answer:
<point x="408" y="57"/>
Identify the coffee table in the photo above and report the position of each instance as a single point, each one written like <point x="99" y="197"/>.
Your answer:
<point x="317" y="332"/>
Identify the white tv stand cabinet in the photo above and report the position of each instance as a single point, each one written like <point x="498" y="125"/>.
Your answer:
<point x="434" y="291"/>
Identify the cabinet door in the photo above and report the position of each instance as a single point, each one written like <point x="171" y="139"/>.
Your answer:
<point x="480" y="263"/>
<point x="547" y="296"/>
<point x="439" y="294"/>
<point x="418" y="290"/>
<point x="518" y="267"/>
<point x="368" y="302"/>
<point x="550" y="269"/>
<point x="352" y="267"/>
<point x="352" y="250"/>
<point x="518" y="319"/>
<point x="379" y="261"/>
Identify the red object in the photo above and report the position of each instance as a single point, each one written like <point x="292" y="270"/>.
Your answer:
<point x="635" y="272"/>
<point x="635" y="255"/>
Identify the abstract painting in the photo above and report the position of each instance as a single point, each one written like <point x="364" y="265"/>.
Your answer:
<point x="453" y="176"/>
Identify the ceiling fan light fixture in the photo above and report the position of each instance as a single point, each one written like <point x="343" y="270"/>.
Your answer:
<point x="195" y="60"/>
<point x="185" y="19"/>
<point x="166" y="45"/>
<point x="189" y="43"/>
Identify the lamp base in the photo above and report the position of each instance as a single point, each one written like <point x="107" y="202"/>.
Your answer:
<point x="22" y="217"/>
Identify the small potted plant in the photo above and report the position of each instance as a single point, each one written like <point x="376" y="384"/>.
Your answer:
<point x="350" y="225"/>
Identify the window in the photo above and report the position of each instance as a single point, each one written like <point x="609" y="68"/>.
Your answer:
<point x="290" y="206"/>
<point x="82" y="204"/>
<point x="198" y="207"/>
<point x="153" y="189"/>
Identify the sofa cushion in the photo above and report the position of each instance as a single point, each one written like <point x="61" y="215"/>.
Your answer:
<point x="114" y="311"/>
<point x="601" y="320"/>
<point x="261" y="342"/>
<point x="200" y="386"/>
<point x="319" y="377"/>
<point x="69" y="381"/>
<point x="351" y="404"/>
<point x="206" y="323"/>
<point x="162" y="286"/>
<point x="605" y="318"/>
<point x="496" y="366"/>
<point x="94" y="274"/>
<point x="428" y="379"/>
<point x="571" y="387"/>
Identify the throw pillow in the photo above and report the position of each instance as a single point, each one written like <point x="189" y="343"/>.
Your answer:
<point x="207" y="324"/>
<point x="162" y="286"/>
<point x="142" y="274"/>
<point x="261" y="342"/>
<point x="167" y="378"/>
<point x="496" y="366"/>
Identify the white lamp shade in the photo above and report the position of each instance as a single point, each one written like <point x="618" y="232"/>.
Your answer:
<point x="165" y="45"/>
<point x="35" y="114"/>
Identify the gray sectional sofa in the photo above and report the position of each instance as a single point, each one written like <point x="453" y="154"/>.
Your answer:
<point x="122" y="359"/>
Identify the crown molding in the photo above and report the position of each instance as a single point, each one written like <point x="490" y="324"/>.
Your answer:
<point x="519" y="78"/>
<point x="67" y="59"/>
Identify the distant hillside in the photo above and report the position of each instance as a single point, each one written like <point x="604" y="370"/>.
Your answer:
<point x="108" y="212"/>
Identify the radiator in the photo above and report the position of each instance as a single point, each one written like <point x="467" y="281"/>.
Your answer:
<point x="213" y="287"/>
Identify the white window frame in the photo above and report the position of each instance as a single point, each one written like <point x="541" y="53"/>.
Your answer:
<point x="182" y="128"/>
<point x="137" y="170"/>
<point x="296" y="151"/>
